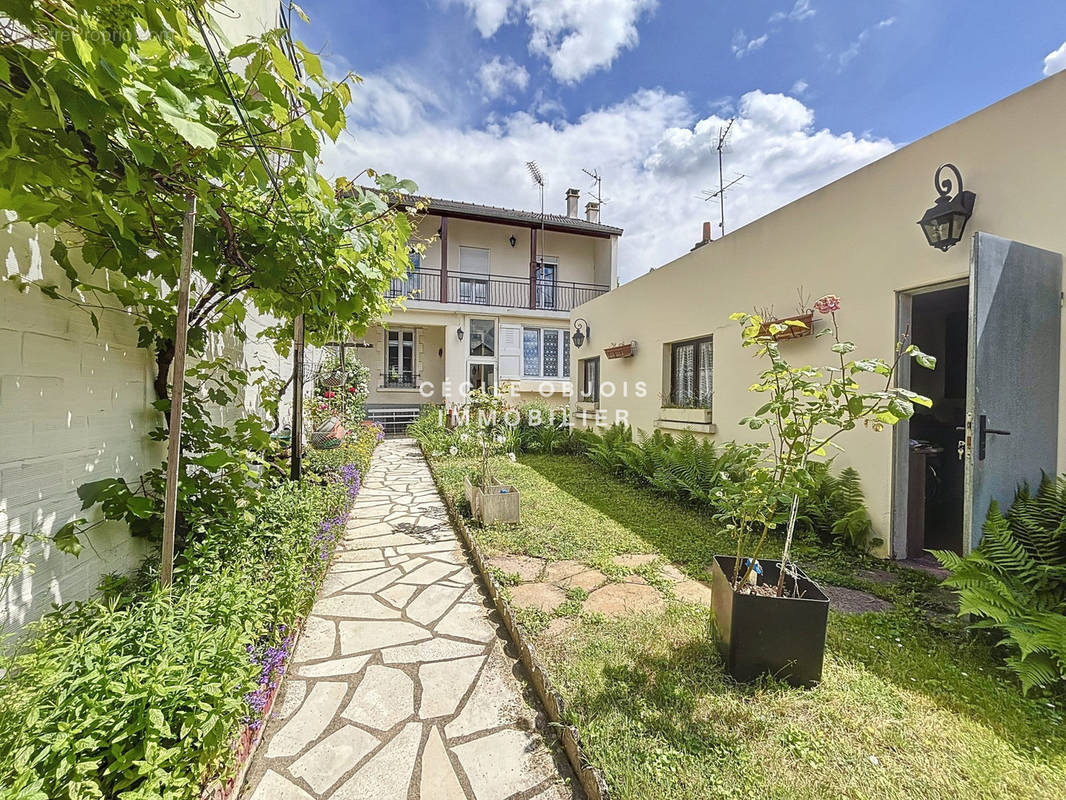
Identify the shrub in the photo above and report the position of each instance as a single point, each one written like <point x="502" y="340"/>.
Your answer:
<point x="1015" y="582"/>
<point x="141" y="695"/>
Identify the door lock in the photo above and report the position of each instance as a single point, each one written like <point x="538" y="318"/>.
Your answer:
<point x="962" y="449"/>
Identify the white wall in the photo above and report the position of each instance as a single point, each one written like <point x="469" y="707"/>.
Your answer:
<point x="74" y="407"/>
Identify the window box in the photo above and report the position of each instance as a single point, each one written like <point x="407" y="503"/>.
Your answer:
<point x="585" y="405"/>
<point x="627" y="350"/>
<point x="792" y="333"/>
<point x="697" y="415"/>
<point x="691" y="427"/>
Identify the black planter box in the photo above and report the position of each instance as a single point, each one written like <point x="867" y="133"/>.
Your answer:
<point x="779" y="636"/>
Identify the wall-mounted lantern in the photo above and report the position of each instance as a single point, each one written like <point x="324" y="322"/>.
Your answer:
<point x="513" y="240"/>
<point x="459" y="333"/>
<point x="944" y="223"/>
<point x="582" y="331"/>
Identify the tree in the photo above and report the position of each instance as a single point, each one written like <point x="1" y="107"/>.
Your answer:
<point x="114" y="113"/>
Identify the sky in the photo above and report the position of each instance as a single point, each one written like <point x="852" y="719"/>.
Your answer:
<point x="457" y="95"/>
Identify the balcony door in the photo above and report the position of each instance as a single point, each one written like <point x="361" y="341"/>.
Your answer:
<point x="547" y="271"/>
<point x="474" y="275"/>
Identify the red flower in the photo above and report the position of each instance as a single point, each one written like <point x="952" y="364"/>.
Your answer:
<point x="827" y="304"/>
<point x="351" y="389"/>
<point x="329" y="395"/>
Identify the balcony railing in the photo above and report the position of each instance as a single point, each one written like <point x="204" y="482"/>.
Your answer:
<point x="425" y="285"/>
<point x="399" y="379"/>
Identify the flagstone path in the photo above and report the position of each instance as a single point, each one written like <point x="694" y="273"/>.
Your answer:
<point x="400" y="688"/>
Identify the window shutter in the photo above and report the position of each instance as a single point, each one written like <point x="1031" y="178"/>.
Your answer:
<point x="510" y="352"/>
<point x="474" y="260"/>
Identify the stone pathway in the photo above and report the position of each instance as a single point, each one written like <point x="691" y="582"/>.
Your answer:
<point x="400" y="688"/>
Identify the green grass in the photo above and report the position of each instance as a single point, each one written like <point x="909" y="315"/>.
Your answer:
<point x="910" y="706"/>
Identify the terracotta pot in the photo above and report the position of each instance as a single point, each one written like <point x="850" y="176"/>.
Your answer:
<point x="621" y="350"/>
<point x="792" y="333"/>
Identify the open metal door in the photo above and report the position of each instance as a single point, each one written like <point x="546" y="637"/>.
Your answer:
<point x="1012" y="403"/>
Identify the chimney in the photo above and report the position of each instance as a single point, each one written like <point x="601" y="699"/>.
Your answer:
<point x="706" y="236"/>
<point x="592" y="212"/>
<point x="572" y="197"/>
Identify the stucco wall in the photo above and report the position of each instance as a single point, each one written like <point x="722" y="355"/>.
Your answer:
<point x="856" y="238"/>
<point x="582" y="259"/>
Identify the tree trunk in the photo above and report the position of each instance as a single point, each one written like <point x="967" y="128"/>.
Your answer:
<point x="164" y="356"/>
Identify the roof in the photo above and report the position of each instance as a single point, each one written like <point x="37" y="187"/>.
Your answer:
<point x="457" y="209"/>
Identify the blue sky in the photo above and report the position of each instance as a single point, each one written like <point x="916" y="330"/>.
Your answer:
<point x="459" y="93"/>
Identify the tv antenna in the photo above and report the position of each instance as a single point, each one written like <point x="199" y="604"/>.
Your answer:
<point x="538" y="179"/>
<point x="597" y="179"/>
<point x="723" y="135"/>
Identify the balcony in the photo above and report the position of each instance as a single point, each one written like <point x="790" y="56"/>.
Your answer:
<point x="399" y="379"/>
<point x="426" y="286"/>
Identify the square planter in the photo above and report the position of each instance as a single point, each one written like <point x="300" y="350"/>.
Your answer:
<point x="700" y="416"/>
<point x="779" y="636"/>
<point x="498" y="503"/>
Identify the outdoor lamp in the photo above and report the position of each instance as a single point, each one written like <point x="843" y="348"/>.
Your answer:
<point x="582" y="331"/>
<point x="944" y="223"/>
<point x="513" y="240"/>
<point x="459" y="333"/>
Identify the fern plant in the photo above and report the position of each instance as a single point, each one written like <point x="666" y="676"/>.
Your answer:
<point x="834" y="507"/>
<point x="1015" y="582"/>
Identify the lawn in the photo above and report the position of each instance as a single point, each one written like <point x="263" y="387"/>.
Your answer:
<point x="910" y="706"/>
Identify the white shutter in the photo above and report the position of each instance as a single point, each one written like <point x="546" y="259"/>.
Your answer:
<point x="510" y="352"/>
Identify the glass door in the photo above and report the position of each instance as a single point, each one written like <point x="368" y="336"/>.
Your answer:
<point x="546" y="272"/>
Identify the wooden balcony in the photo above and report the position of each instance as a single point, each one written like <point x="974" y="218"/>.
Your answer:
<point x="426" y="286"/>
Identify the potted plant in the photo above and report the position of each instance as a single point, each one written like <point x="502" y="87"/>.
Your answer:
<point x="770" y="618"/>
<point x="624" y="350"/>
<point x="491" y="501"/>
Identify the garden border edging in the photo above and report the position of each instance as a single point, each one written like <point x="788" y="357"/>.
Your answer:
<point x="590" y="777"/>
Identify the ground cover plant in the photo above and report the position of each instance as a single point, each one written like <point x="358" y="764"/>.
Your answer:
<point x="911" y="703"/>
<point x="141" y="692"/>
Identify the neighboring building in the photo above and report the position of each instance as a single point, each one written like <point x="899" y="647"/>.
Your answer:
<point x="990" y="313"/>
<point x="487" y="304"/>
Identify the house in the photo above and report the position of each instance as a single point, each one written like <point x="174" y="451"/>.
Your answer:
<point x="988" y="307"/>
<point x="487" y="304"/>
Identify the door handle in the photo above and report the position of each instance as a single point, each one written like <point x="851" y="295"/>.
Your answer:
<point x="982" y="431"/>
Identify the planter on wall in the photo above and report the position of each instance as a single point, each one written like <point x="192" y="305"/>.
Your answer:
<point x="792" y="333"/>
<point x="627" y="350"/>
<point x="700" y="416"/>
<point x="779" y="636"/>
<point x="496" y="503"/>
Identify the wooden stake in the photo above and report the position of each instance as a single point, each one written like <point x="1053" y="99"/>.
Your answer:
<point x="297" y="397"/>
<point x="170" y="503"/>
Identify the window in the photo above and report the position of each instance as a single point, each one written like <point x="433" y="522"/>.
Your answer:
<point x="691" y="367"/>
<point x="545" y="353"/>
<point x="473" y="275"/>
<point x="483" y="338"/>
<point x="410" y="284"/>
<point x="590" y="380"/>
<point x="400" y="359"/>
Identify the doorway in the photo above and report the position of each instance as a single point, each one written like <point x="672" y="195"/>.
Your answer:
<point x="935" y="467"/>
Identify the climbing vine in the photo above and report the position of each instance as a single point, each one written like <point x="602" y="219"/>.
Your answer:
<point x="114" y="114"/>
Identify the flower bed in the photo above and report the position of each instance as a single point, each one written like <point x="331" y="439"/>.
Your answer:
<point x="148" y="693"/>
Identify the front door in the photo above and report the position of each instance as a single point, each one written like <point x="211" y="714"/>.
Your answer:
<point x="1012" y="405"/>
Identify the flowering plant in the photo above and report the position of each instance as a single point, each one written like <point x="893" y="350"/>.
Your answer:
<point x="807" y="408"/>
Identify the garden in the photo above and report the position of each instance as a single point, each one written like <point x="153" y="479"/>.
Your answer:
<point x="609" y="572"/>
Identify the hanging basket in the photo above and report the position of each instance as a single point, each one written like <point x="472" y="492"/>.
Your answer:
<point x="329" y="435"/>
<point x="792" y="332"/>
<point x="626" y="350"/>
<point x="332" y="380"/>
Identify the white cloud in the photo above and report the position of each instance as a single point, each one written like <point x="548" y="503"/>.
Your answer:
<point x="499" y="76"/>
<point x="489" y="15"/>
<point x="1055" y="61"/>
<point x="655" y="153"/>
<point x="800" y="11"/>
<point x="577" y="37"/>
<point x="800" y="87"/>
<point x="853" y="49"/>
<point x="743" y="46"/>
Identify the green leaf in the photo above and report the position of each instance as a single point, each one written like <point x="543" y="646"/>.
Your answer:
<point x="213" y="460"/>
<point x="66" y="538"/>
<point x="89" y="493"/>
<point x="140" y="506"/>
